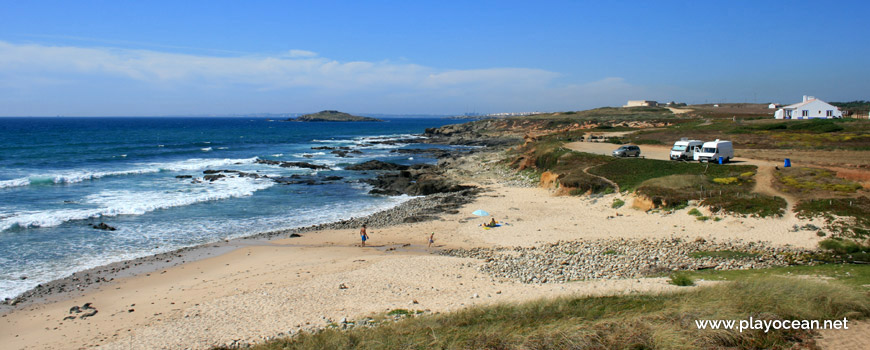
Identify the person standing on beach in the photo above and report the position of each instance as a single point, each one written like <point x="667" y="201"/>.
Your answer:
<point x="431" y="240"/>
<point x="363" y="235"/>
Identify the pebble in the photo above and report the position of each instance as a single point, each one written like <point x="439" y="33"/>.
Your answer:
<point x="633" y="258"/>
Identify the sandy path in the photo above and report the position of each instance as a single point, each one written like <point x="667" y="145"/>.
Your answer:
<point x="679" y="110"/>
<point x="857" y="337"/>
<point x="267" y="288"/>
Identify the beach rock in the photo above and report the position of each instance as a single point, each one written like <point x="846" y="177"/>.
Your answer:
<point x="376" y="165"/>
<point x="212" y="178"/>
<point x="292" y="164"/>
<point x="184" y="176"/>
<point x="103" y="226"/>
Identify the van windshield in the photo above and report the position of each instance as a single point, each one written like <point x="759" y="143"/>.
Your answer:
<point x="709" y="150"/>
<point x="679" y="148"/>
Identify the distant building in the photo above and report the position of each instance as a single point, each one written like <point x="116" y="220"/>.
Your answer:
<point x="809" y="108"/>
<point x="774" y="105"/>
<point x="641" y="103"/>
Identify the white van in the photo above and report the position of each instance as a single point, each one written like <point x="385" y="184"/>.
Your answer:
<point x="711" y="151"/>
<point x="684" y="149"/>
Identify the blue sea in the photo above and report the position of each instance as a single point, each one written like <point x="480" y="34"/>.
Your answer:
<point x="59" y="176"/>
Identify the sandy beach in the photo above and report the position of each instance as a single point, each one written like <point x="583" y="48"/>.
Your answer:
<point x="257" y="289"/>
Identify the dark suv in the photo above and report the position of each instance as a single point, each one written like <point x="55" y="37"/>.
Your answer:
<point x="627" y="150"/>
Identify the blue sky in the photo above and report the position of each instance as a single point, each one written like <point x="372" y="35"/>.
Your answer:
<point x="444" y="57"/>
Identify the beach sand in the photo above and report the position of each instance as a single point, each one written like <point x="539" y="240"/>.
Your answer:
<point x="264" y="289"/>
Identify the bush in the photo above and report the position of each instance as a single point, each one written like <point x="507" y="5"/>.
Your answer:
<point x="695" y="212"/>
<point x="757" y="205"/>
<point x="617" y="203"/>
<point x="841" y="246"/>
<point x="681" y="280"/>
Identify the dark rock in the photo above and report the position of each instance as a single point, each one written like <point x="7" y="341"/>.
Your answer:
<point x="89" y="314"/>
<point x="295" y="235"/>
<point x="376" y="165"/>
<point x="292" y="164"/>
<point x="184" y="176"/>
<point x="103" y="226"/>
<point x="332" y="178"/>
<point x="212" y="178"/>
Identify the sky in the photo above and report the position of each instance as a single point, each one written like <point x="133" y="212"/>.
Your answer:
<point x="141" y="58"/>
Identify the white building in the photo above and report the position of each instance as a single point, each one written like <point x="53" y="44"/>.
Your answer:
<point x="810" y="108"/>
<point x="774" y="105"/>
<point x="641" y="103"/>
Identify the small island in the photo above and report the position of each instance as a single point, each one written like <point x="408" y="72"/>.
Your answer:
<point x="332" y="116"/>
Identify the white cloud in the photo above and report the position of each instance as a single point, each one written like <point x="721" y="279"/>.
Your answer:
<point x="304" y="73"/>
<point x="301" y="53"/>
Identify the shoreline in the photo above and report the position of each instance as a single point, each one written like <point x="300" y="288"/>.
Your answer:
<point x="84" y="281"/>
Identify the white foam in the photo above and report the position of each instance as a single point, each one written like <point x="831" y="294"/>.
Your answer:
<point x="207" y="149"/>
<point x="303" y="155"/>
<point x="278" y="155"/>
<point x="23" y="181"/>
<point x="147" y="168"/>
<point x="113" y="203"/>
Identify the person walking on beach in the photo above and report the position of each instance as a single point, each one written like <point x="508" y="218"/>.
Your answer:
<point x="363" y="235"/>
<point x="431" y="240"/>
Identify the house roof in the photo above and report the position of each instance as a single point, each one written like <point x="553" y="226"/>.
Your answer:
<point x="799" y="104"/>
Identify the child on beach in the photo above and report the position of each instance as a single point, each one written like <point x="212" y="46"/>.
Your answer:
<point x="363" y="235"/>
<point x="431" y="240"/>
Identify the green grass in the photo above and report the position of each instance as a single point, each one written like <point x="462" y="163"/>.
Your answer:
<point x="630" y="173"/>
<point x="695" y="212"/>
<point x="617" y="203"/>
<point x="722" y="254"/>
<point x="752" y="204"/>
<point x="639" y="321"/>
<point x="610" y="252"/>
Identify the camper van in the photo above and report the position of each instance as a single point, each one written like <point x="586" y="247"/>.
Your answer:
<point x="684" y="149"/>
<point x="711" y="151"/>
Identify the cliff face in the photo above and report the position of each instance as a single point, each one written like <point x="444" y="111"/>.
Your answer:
<point x="333" y="116"/>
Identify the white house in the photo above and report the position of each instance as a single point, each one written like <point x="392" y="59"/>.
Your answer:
<point x="774" y="105"/>
<point x="810" y="108"/>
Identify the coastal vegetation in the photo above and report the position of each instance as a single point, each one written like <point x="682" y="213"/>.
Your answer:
<point x="634" y="321"/>
<point x="814" y="182"/>
<point x="847" y="217"/>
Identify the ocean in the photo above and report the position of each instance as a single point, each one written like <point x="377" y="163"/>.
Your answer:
<point x="59" y="176"/>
